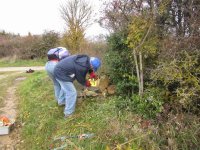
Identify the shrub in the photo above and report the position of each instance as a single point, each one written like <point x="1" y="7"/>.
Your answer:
<point x="181" y="80"/>
<point x="148" y="106"/>
<point x="119" y="64"/>
<point x="27" y="47"/>
<point x="48" y="40"/>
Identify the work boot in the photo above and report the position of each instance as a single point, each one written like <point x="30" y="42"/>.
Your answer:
<point x="67" y="116"/>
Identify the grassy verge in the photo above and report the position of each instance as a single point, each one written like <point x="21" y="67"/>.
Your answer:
<point x="43" y="121"/>
<point x="21" y="63"/>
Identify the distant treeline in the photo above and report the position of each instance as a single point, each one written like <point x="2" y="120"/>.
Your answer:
<point x="36" y="46"/>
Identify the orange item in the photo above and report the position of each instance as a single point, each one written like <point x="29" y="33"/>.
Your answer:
<point x="5" y="120"/>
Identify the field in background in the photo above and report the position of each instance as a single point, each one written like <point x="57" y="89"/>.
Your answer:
<point x="12" y="62"/>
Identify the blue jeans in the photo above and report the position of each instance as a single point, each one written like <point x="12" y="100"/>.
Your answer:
<point x="59" y="94"/>
<point x="70" y="96"/>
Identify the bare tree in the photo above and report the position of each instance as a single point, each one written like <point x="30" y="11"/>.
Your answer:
<point x="77" y="16"/>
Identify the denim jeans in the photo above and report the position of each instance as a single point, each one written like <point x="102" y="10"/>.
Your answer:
<point x="70" y="96"/>
<point x="59" y="94"/>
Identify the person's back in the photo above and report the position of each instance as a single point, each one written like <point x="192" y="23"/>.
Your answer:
<point x="73" y="67"/>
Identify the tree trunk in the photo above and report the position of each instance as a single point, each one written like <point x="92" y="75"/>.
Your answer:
<point x="137" y="69"/>
<point x="141" y="75"/>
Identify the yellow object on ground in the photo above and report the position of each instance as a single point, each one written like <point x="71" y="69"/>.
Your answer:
<point x="94" y="82"/>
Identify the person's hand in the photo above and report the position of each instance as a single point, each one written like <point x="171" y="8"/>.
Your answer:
<point x="93" y="75"/>
<point x="87" y="84"/>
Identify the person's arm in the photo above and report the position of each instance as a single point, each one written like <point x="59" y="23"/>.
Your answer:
<point x="81" y="78"/>
<point x="93" y="75"/>
<point x="87" y="83"/>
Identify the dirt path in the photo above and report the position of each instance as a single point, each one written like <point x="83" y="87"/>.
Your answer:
<point x="9" y="109"/>
<point x="10" y="74"/>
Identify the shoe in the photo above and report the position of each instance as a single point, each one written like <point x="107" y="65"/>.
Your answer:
<point x="67" y="116"/>
<point x="61" y="104"/>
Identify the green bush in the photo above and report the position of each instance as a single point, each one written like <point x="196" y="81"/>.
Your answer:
<point x="49" y="39"/>
<point x="119" y="64"/>
<point x="180" y="77"/>
<point x="148" y="106"/>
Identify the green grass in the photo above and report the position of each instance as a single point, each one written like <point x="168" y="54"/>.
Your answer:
<point x="21" y="63"/>
<point x="43" y="121"/>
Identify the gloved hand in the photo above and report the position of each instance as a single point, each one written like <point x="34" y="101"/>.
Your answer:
<point x="93" y="75"/>
<point x="87" y="84"/>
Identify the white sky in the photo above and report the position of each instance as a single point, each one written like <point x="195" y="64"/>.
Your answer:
<point x="36" y="16"/>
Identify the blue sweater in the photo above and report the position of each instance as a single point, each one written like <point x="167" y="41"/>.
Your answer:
<point x="73" y="67"/>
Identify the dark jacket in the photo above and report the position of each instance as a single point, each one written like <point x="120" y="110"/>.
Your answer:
<point x="73" y="67"/>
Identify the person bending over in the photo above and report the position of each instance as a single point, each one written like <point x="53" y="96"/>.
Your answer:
<point x="74" y="67"/>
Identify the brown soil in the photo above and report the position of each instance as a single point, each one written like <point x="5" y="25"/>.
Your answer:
<point x="12" y="140"/>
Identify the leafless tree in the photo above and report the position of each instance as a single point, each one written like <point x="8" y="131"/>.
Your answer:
<point x="77" y="16"/>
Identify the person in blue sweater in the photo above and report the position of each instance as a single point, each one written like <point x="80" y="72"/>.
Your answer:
<point x="54" y="56"/>
<point x="74" y="67"/>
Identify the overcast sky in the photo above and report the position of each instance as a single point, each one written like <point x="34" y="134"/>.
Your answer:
<point x="36" y="16"/>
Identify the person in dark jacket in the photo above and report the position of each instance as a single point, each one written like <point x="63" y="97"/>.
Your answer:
<point x="74" y="67"/>
<point x="54" y="56"/>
